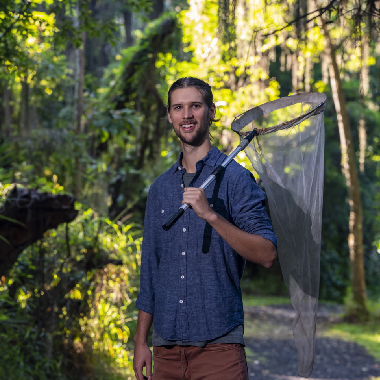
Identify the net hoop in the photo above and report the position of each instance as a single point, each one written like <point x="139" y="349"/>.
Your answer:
<point x="249" y="116"/>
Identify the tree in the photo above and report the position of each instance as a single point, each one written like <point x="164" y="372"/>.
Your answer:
<point x="364" y="88"/>
<point x="355" y="237"/>
<point x="25" y="217"/>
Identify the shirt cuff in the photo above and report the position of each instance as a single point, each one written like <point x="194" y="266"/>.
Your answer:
<point x="269" y="237"/>
<point x="145" y="304"/>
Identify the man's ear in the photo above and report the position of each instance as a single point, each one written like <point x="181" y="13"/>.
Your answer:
<point x="212" y="111"/>
<point x="169" y="118"/>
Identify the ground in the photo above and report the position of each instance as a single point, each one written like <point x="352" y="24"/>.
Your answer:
<point x="271" y="352"/>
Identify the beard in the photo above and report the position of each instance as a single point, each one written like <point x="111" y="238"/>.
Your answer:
<point x="196" y="139"/>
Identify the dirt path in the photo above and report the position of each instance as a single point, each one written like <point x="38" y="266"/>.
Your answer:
<point x="271" y="353"/>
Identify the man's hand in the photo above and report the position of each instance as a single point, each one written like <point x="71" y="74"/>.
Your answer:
<point x="143" y="355"/>
<point x="252" y="247"/>
<point x="142" y="358"/>
<point x="198" y="201"/>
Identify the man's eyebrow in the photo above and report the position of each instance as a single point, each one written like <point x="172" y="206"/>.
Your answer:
<point x="180" y="104"/>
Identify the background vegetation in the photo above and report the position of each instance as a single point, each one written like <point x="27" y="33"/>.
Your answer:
<point x="83" y="88"/>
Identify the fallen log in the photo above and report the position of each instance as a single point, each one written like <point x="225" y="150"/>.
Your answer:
<point x="24" y="218"/>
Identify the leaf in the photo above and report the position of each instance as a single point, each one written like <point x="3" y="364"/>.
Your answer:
<point x="12" y="220"/>
<point x="3" y="238"/>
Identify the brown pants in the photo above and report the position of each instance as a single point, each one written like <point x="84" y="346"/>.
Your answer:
<point x="218" y="361"/>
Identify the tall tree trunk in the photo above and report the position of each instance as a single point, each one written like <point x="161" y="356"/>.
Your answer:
<point x="308" y="71"/>
<point x="325" y="68"/>
<point x="295" y="72"/>
<point x="79" y="82"/>
<point x="24" y="109"/>
<point x="355" y="238"/>
<point x="158" y="9"/>
<point x="6" y="110"/>
<point x="81" y="67"/>
<point x="128" y="27"/>
<point x="310" y="7"/>
<point x="364" y="88"/>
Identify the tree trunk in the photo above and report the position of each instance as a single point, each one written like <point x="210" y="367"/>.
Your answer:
<point x="308" y="71"/>
<point x="6" y="110"/>
<point x="295" y="72"/>
<point x="355" y="238"/>
<point x="80" y="67"/>
<point x="128" y="27"/>
<point x="325" y="70"/>
<point x="158" y="9"/>
<point x="24" y="109"/>
<point x="364" y="88"/>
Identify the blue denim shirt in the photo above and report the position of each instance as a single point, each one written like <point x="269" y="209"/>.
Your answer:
<point x="190" y="277"/>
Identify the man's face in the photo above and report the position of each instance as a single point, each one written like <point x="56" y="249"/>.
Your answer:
<point x="190" y="115"/>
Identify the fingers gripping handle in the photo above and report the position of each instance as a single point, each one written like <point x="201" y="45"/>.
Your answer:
<point x="173" y="219"/>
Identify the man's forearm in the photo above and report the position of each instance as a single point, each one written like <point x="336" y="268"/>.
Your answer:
<point x="252" y="247"/>
<point x="144" y="323"/>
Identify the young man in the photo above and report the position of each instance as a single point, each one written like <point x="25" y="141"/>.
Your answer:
<point x="190" y="275"/>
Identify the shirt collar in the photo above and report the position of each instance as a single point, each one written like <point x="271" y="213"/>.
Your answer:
<point x="210" y="159"/>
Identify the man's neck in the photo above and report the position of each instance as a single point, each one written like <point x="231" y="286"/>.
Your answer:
<point x="192" y="154"/>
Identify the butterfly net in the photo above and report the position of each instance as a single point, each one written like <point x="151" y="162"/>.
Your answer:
<point x="289" y="160"/>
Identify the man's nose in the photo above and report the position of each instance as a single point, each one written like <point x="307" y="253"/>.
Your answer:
<point x="188" y="113"/>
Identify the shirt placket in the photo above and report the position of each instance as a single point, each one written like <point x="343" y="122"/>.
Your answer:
<point x="183" y="252"/>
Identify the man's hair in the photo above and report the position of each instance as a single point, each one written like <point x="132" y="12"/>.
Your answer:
<point x="203" y="87"/>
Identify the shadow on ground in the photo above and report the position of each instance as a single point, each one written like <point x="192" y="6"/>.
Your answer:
<point x="271" y="352"/>
<point x="335" y="359"/>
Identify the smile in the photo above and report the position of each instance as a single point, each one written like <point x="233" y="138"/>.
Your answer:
<point x="188" y="127"/>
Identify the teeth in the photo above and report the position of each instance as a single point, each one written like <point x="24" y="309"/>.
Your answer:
<point x="187" y="126"/>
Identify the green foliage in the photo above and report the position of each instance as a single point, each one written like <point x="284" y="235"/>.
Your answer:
<point x="21" y="24"/>
<point x="264" y="301"/>
<point x="59" y="312"/>
<point x="126" y="143"/>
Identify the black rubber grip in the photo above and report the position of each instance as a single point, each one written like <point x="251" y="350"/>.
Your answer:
<point x="218" y="170"/>
<point x="173" y="219"/>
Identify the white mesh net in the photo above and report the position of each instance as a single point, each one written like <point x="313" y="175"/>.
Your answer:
<point x="290" y="164"/>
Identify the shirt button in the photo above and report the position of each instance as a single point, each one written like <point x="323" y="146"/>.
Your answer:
<point x="180" y="301"/>
<point x="179" y="168"/>
<point x="183" y="253"/>
<point x="181" y="184"/>
<point x="162" y="211"/>
<point x="184" y="229"/>
<point x="182" y="277"/>
<point x="211" y="205"/>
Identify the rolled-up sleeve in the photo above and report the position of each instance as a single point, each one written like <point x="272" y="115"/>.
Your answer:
<point x="149" y="256"/>
<point x="248" y="207"/>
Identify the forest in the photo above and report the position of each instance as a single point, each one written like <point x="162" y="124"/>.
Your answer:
<point x="84" y="133"/>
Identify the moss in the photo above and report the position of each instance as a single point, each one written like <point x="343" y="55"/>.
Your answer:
<point x="365" y="335"/>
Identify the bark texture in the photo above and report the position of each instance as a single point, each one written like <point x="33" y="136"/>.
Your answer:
<point x="355" y="238"/>
<point x="158" y="9"/>
<point x="364" y="88"/>
<point x="127" y="15"/>
<point x="24" y="109"/>
<point x="32" y="213"/>
<point x="80" y="68"/>
<point x="6" y="110"/>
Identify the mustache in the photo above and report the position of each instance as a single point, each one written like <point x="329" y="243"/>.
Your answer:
<point x="191" y="121"/>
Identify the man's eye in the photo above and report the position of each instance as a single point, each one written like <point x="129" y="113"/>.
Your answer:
<point x="196" y="105"/>
<point x="177" y="107"/>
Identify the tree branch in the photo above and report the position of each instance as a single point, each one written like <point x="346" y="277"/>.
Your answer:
<point x="9" y="28"/>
